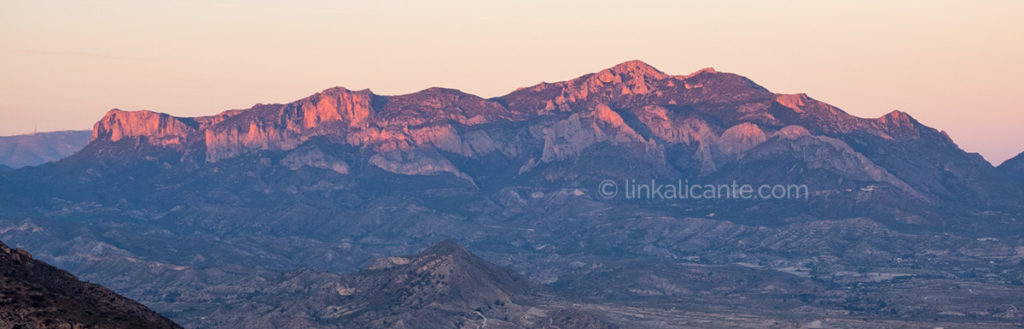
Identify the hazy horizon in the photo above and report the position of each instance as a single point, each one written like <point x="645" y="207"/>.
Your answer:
<point x="952" y="65"/>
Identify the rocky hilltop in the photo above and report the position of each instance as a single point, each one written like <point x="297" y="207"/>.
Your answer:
<point x="37" y="295"/>
<point x="444" y="286"/>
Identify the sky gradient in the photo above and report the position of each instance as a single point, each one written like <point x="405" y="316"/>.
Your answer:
<point x="953" y="65"/>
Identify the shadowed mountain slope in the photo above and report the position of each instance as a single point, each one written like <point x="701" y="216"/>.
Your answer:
<point x="36" y="295"/>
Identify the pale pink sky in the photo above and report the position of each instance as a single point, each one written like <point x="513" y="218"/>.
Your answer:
<point x="954" y="65"/>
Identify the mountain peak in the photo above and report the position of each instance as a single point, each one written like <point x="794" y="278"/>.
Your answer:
<point x="708" y="70"/>
<point x="633" y="64"/>
<point x="337" y="90"/>
<point x="793" y="101"/>
<point x="440" y="90"/>
<point x="447" y="273"/>
<point x="444" y="249"/>
<point x="637" y="68"/>
<point x="447" y="257"/>
<point x="443" y="286"/>
<point x="897" y="118"/>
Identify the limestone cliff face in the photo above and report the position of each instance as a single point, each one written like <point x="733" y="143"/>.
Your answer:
<point x="286" y="126"/>
<point x="740" y="138"/>
<point x="156" y="128"/>
<point x="795" y="102"/>
<point x="313" y="157"/>
<point x="415" y="162"/>
<point x="672" y="127"/>
<point x="566" y="138"/>
<point x="393" y="127"/>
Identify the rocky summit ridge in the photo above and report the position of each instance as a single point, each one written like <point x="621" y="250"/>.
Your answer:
<point x="695" y="124"/>
<point x="435" y="117"/>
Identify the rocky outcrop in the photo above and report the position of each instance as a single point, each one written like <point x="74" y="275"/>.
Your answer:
<point x="795" y="102"/>
<point x="330" y="112"/>
<point x="313" y="157"/>
<point x="793" y="131"/>
<point x="569" y="137"/>
<point x="415" y="162"/>
<point x="628" y="80"/>
<point x="669" y="127"/>
<point x="156" y="128"/>
<point x="740" y="138"/>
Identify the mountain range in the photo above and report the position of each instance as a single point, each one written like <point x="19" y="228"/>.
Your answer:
<point x="38" y="148"/>
<point x="198" y="217"/>
<point x="707" y="124"/>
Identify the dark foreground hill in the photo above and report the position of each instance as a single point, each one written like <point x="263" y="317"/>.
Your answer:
<point x="36" y="295"/>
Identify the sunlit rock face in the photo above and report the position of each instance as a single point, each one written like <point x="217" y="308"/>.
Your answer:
<point x="741" y="138"/>
<point x="286" y="126"/>
<point x="156" y="128"/>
